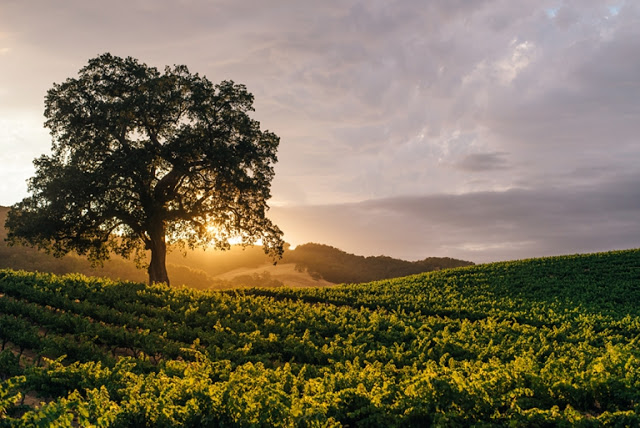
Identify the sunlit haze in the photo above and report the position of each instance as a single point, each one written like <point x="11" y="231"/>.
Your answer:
<point x="477" y="130"/>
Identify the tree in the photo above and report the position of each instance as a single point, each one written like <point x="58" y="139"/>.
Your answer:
<point x="142" y="159"/>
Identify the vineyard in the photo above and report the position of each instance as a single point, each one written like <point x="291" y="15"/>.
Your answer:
<point x="552" y="341"/>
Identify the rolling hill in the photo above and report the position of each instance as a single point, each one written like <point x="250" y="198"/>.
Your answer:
<point x="540" y="342"/>
<point x="308" y="265"/>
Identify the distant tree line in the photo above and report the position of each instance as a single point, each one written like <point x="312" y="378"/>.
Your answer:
<point x="338" y="266"/>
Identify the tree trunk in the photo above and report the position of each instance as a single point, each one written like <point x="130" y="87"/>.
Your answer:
<point x="157" y="266"/>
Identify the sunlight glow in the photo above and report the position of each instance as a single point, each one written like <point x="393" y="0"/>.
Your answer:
<point x="236" y="240"/>
<point x="217" y="236"/>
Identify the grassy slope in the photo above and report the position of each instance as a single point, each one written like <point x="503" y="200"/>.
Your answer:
<point x="533" y="342"/>
<point x="283" y="272"/>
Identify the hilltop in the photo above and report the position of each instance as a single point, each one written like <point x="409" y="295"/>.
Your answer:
<point x="540" y="342"/>
<point x="308" y="265"/>
<point x="338" y="266"/>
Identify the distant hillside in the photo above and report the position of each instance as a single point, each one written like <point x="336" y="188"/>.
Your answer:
<point x="200" y="269"/>
<point x="337" y="266"/>
<point x="306" y="265"/>
<point x="27" y="258"/>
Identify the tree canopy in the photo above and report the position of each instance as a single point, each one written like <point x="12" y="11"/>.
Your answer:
<point x="141" y="159"/>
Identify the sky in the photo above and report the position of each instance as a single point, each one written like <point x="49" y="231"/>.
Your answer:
<point x="482" y="130"/>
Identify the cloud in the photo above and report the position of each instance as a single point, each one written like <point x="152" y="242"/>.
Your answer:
<point x="481" y="226"/>
<point x="479" y="162"/>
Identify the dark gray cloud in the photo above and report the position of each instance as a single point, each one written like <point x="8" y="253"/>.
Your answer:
<point x="479" y="162"/>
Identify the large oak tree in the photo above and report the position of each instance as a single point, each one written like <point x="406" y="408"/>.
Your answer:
<point x="141" y="159"/>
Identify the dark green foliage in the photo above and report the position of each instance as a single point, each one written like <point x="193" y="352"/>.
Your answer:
<point x="337" y="266"/>
<point x="545" y="342"/>
<point x="140" y="157"/>
<point x="9" y="363"/>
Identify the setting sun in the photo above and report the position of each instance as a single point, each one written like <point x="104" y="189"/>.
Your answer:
<point x="217" y="235"/>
